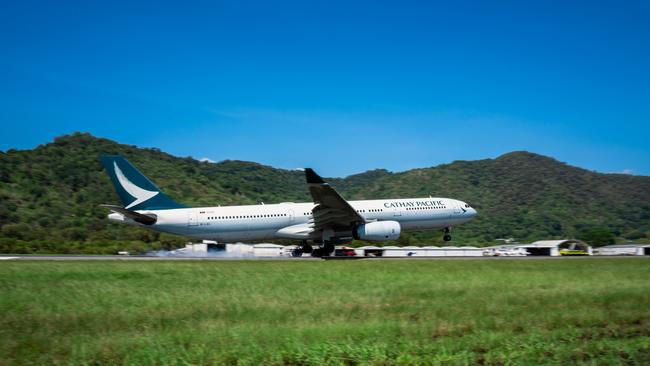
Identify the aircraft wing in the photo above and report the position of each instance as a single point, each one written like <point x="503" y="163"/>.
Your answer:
<point x="331" y="211"/>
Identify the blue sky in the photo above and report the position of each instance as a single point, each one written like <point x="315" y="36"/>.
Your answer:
<point x="339" y="86"/>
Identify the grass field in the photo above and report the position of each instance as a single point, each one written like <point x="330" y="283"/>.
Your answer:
<point x="568" y="311"/>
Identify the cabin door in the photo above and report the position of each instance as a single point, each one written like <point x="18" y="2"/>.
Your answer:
<point x="193" y="218"/>
<point x="456" y="207"/>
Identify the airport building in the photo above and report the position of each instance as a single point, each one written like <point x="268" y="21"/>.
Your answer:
<point x="211" y="248"/>
<point x="623" y="249"/>
<point x="205" y="247"/>
<point x="413" y="251"/>
<point x="268" y="250"/>
<point x="556" y="248"/>
<point x="505" y="250"/>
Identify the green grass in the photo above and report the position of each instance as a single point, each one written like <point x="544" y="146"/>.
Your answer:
<point x="567" y="311"/>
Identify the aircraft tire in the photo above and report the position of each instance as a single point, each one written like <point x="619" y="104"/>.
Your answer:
<point x="318" y="252"/>
<point x="328" y="249"/>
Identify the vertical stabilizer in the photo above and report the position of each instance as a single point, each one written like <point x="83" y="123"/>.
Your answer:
<point x="136" y="191"/>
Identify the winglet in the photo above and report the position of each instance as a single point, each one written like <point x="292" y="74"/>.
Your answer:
<point x="312" y="177"/>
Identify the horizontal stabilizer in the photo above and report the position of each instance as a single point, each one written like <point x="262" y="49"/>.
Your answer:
<point x="135" y="216"/>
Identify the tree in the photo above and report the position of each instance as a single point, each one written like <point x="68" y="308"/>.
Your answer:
<point x="634" y="234"/>
<point x="597" y="236"/>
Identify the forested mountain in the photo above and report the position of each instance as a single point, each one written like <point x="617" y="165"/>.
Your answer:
<point x="50" y="196"/>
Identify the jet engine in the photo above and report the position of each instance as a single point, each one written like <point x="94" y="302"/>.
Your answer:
<point x="378" y="231"/>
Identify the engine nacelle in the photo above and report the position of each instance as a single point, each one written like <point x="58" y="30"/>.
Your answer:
<point x="378" y="231"/>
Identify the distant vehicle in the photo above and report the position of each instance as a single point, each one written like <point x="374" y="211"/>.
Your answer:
<point x="329" y="220"/>
<point x="345" y="252"/>
<point x="123" y="252"/>
<point x="573" y="252"/>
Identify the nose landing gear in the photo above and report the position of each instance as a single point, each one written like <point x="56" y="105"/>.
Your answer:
<point x="447" y="236"/>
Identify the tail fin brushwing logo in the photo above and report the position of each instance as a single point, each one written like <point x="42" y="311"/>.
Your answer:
<point x="140" y="195"/>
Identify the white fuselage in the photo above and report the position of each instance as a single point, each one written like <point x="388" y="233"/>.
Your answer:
<point x="292" y="220"/>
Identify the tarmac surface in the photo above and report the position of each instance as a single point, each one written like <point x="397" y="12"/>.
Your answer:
<point x="231" y="258"/>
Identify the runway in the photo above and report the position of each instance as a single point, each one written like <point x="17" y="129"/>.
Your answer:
<point x="64" y="258"/>
<point x="141" y="258"/>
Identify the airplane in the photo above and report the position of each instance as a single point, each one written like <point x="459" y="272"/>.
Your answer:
<point x="328" y="220"/>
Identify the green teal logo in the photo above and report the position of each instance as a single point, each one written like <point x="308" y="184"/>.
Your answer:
<point x="140" y="194"/>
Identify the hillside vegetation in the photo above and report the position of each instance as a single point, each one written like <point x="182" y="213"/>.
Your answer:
<point x="50" y="196"/>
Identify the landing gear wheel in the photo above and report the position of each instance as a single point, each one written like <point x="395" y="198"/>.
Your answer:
<point x="328" y="249"/>
<point x="304" y="247"/>
<point x="324" y="250"/>
<point x="447" y="236"/>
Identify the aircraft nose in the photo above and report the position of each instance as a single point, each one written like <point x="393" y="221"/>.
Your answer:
<point x="468" y="210"/>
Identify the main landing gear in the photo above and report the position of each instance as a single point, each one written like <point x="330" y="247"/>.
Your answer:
<point x="322" y="251"/>
<point x="304" y="247"/>
<point x="447" y="236"/>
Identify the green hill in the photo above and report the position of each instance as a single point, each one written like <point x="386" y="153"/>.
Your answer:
<point x="50" y="196"/>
